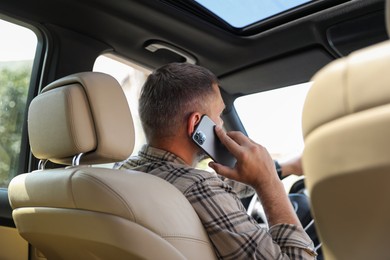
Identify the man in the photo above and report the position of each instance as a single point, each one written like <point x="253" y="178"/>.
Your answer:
<point x="172" y="102"/>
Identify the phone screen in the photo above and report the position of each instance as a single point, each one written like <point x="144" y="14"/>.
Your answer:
<point x="204" y="136"/>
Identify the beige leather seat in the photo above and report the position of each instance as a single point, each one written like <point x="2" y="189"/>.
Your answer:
<point x="346" y="125"/>
<point x="83" y="212"/>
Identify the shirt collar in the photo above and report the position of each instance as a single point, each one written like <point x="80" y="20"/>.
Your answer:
<point x="150" y="153"/>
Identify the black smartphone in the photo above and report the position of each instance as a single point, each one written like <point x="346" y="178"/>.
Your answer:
<point x="204" y="136"/>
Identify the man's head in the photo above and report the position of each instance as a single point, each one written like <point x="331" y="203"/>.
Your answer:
<point x="174" y="96"/>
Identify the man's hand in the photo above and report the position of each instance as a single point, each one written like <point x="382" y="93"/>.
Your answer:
<point x="292" y="166"/>
<point x="256" y="168"/>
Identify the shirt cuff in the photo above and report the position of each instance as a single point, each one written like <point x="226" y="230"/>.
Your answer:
<point x="291" y="236"/>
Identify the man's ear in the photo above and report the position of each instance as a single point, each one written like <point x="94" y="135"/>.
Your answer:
<point x="192" y="121"/>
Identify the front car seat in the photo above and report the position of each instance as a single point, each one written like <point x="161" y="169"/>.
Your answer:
<point x="84" y="212"/>
<point x="346" y="160"/>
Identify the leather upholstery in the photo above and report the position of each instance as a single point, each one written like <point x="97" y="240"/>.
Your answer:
<point x="346" y="127"/>
<point x="86" y="115"/>
<point x="84" y="212"/>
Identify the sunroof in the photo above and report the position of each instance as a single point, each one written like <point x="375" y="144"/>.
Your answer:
<point x="242" y="13"/>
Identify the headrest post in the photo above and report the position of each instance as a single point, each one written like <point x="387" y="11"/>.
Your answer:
<point x="42" y="164"/>
<point x="76" y="159"/>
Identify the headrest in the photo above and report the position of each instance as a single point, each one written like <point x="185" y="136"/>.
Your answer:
<point x="346" y="86"/>
<point x="82" y="113"/>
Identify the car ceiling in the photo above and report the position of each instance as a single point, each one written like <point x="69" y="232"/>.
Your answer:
<point x="271" y="57"/>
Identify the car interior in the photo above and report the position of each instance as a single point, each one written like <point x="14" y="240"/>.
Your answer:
<point x="61" y="197"/>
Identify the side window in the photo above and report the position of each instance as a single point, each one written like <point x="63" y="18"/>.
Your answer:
<point x="17" y="49"/>
<point x="131" y="77"/>
<point x="273" y="119"/>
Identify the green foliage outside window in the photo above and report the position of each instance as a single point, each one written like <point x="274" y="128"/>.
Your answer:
<point x="14" y="83"/>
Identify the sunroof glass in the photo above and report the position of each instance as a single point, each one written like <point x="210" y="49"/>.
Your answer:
<point x="242" y="13"/>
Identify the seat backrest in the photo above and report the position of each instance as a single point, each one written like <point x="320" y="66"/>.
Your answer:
<point x="84" y="212"/>
<point x="346" y="160"/>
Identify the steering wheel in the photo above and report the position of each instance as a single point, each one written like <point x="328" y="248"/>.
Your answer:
<point x="298" y="198"/>
<point x="256" y="210"/>
<point x="301" y="204"/>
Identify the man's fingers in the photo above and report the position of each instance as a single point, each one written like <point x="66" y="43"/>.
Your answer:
<point x="238" y="137"/>
<point x="222" y="170"/>
<point x="228" y="141"/>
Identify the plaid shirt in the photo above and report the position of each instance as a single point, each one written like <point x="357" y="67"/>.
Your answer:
<point x="234" y="234"/>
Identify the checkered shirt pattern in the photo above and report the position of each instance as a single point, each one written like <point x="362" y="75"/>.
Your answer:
<point x="234" y="234"/>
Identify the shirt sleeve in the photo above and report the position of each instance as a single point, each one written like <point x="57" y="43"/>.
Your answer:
<point x="242" y="190"/>
<point x="236" y="235"/>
